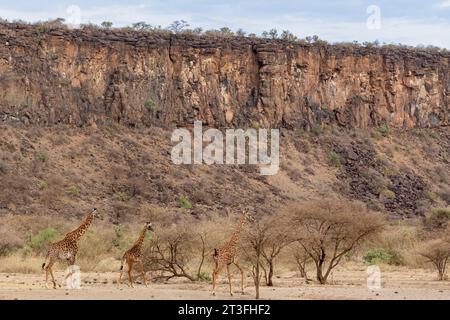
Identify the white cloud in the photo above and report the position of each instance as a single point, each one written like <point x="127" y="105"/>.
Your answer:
<point x="444" y="4"/>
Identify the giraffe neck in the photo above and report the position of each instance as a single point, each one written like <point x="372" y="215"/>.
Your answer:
<point x="237" y="232"/>
<point x="78" y="232"/>
<point x="140" y="241"/>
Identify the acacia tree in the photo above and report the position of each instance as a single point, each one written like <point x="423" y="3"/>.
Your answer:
<point x="438" y="253"/>
<point x="107" y="24"/>
<point x="177" y="252"/>
<point x="329" y="229"/>
<point x="302" y="258"/>
<point x="254" y="240"/>
<point x="279" y="237"/>
<point x="263" y="241"/>
<point x="178" y="26"/>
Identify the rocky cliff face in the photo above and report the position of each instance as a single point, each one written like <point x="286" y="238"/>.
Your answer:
<point x="48" y="76"/>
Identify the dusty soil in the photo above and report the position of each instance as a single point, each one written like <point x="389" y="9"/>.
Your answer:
<point x="397" y="283"/>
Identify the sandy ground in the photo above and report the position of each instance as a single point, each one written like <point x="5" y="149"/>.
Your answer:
<point x="346" y="284"/>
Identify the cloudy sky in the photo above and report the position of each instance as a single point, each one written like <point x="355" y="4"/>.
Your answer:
<point x="399" y="21"/>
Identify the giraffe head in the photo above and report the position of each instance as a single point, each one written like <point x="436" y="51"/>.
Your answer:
<point x="248" y="217"/>
<point x="149" y="226"/>
<point x="94" y="213"/>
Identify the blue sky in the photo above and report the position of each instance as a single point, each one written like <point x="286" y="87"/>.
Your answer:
<point x="411" y="22"/>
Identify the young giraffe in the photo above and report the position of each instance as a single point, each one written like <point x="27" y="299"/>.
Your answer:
<point x="135" y="255"/>
<point x="225" y="256"/>
<point x="66" y="249"/>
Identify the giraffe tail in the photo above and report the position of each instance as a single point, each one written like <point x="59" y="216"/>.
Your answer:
<point x="121" y="263"/>
<point x="46" y="257"/>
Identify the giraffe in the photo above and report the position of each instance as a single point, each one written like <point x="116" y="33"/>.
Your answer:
<point x="66" y="249"/>
<point x="134" y="255"/>
<point x="225" y="255"/>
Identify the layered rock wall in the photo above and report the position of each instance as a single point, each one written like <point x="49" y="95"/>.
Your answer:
<point x="48" y="76"/>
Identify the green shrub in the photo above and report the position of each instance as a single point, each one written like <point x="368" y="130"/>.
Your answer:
<point x="43" y="185"/>
<point x="39" y="241"/>
<point x="151" y="105"/>
<point x="384" y="130"/>
<point x="42" y="156"/>
<point x="388" y="193"/>
<point x="121" y="196"/>
<point x="334" y="159"/>
<point x="381" y="255"/>
<point x="317" y="130"/>
<point x="185" y="203"/>
<point x="73" y="191"/>
<point x="204" y="276"/>
<point x="438" y="218"/>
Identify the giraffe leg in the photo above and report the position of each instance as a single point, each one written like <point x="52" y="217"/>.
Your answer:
<point x="70" y="263"/>
<point x="229" y="279"/>
<point x="242" y="275"/>
<point x="143" y="273"/>
<point x="120" y="277"/>
<point x="215" y="275"/>
<point x="48" y="270"/>
<point x="130" y="278"/>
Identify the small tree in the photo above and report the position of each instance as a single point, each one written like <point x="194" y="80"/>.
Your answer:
<point x="174" y="253"/>
<point x="278" y="238"/>
<point x="141" y="25"/>
<point x="273" y="33"/>
<point x="329" y="229"/>
<point x="287" y="35"/>
<point x="438" y="253"/>
<point x="178" y="26"/>
<point x="264" y="240"/>
<point x="225" y="31"/>
<point x="240" y="33"/>
<point x="302" y="258"/>
<point x="439" y="218"/>
<point x="107" y="24"/>
<point x="254" y="241"/>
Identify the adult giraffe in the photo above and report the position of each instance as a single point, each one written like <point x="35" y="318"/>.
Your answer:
<point x="67" y="248"/>
<point x="135" y="255"/>
<point x="226" y="255"/>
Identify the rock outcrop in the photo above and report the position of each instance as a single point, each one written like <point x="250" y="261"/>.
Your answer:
<point x="50" y="76"/>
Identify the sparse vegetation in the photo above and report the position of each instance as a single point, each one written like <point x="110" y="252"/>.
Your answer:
<point x="384" y="130"/>
<point x="185" y="203"/>
<point x="389" y="194"/>
<point x="39" y="241"/>
<point x="437" y="252"/>
<point x="439" y="218"/>
<point x="42" y="156"/>
<point x="150" y="105"/>
<point x="73" y="191"/>
<point x="107" y="24"/>
<point x="381" y="255"/>
<point x="330" y="229"/>
<point x="121" y="196"/>
<point x="334" y="159"/>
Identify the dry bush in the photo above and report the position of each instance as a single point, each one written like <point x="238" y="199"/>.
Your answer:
<point x="15" y="190"/>
<point x="183" y="249"/>
<point x="262" y="243"/>
<point x="173" y="250"/>
<point x="9" y="241"/>
<point x="400" y="241"/>
<point x="438" y="218"/>
<point x="302" y="259"/>
<point x="437" y="252"/>
<point x="279" y="237"/>
<point x="330" y="229"/>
